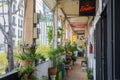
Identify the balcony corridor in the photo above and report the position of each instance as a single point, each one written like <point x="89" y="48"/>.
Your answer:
<point x="76" y="73"/>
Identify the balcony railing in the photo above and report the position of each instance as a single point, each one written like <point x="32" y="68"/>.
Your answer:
<point x="41" y="70"/>
<point x="10" y="76"/>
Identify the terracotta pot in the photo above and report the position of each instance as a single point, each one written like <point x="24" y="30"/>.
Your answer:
<point x="52" y="70"/>
<point x="24" y="63"/>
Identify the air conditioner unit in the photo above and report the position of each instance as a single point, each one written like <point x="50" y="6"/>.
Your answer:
<point x="36" y="33"/>
<point x="36" y="18"/>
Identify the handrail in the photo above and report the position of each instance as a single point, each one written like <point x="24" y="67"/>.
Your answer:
<point x="10" y="76"/>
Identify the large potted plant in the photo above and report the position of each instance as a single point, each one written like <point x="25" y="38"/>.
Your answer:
<point x="52" y="54"/>
<point x="28" y="59"/>
<point x="24" y="59"/>
<point x="27" y="73"/>
<point x="55" y="55"/>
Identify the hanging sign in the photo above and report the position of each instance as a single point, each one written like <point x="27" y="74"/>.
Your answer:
<point x="87" y="7"/>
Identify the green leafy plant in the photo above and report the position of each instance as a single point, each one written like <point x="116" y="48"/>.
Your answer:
<point x="22" y="56"/>
<point x="55" y="55"/>
<point x="31" y="56"/>
<point x="74" y="46"/>
<point x="43" y="50"/>
<point x="59" y="32"/>
<point x="50" y="33"/>
<point x="27" y="73"/>
<point x="45" y="78"/>
<point x="89" y="74"/>
<point x="3" y="62"/>
<point x="38" y="56"/>
<point x="69" y="47"/>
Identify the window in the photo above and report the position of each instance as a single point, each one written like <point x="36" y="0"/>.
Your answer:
<point x="20" y="33"/>
<point x="22" y="12"/>
<point x="13" y="32"/>
<point x="19" y="12"/>
<point x="14" y="8"/>
<point x="14" y="42"/>
<point x="18" y="22"/>
<point x="21" y="23"/>
<point x="2" y="48"/>
<point x="13" y="21"/>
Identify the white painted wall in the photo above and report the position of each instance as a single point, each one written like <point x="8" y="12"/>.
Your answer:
<point x="91" y="59"/>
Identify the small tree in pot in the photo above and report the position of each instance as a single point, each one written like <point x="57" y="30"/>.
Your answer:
<point x="52" y="54"/>
<point x="55" y="55"/>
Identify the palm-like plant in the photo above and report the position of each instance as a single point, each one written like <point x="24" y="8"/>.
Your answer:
<point x="27" y="73"/>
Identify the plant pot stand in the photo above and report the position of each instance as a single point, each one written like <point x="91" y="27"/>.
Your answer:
<point x="52" y="77"/>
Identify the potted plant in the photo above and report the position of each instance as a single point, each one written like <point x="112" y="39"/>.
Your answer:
<point x="75" y="49"/>
<point x="52" y="70"/>
<point x="55" y="55"/>
<point x="27" y="73"/>
<point x="28" y="58"/>
<point x="24" y="59"/>
<point x="73" y="58"/>
<point x="89" y="74"/>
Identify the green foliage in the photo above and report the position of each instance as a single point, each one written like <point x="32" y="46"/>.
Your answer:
<point x="43" y="49"/>
<point x="69" y="47"/>
<point x="3" y="62"/>
<point x="74" y="58"/>
<point x="31" y="56"/>
<point x="37" y="43"/>
<point x="27" y="73"/>
<point x="55" y="55"/>
<point x="60" y="49"/>
<point x="45" y="78"/>
<point x="0" y="73"/>
<point x="89" y="74"/>
<point x="50" y="33"/>
<point x="23" y="56"/>
<point x="74" y="46"/>
<point x="59" y="75"/>
<point x="59" y="32"/>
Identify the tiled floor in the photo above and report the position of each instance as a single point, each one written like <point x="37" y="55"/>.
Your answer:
<point x="76" y="73"/>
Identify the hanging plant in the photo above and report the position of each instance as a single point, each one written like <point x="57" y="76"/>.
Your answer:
<point x="50" y="33"/>
<point x="59" y="32"/>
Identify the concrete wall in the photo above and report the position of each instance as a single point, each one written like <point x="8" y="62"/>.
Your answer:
<point x="42" y="69"/>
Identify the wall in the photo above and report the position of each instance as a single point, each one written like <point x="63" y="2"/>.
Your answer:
<point x="92" y="27"/>
<point x="42" y="69"/>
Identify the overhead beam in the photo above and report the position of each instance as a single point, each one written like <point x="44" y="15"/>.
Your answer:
<point x="66" y="0"/>
<point x="28" y="27"/>
<point x="66" y="16"/>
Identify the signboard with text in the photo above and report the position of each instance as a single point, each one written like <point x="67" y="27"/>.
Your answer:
<point x="87" y="7"/>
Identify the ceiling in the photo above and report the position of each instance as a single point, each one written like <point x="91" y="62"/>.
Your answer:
<point x="71" y="9"/>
